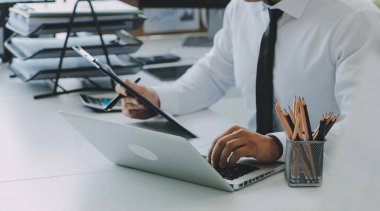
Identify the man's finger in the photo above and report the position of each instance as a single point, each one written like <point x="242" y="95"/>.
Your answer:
<point x="120" y="90"/>
<point x="131" y="100"/>
<point x="230" y="130"/>
<point x="233" y="135"/>
<point x="134" y="106"/>
<point x="237" y="154"/>
<point x="215" y="154"/>
<point x="125" y="112"/>
<point x="229" y="148"/>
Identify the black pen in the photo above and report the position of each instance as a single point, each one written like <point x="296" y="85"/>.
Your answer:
<point x="116" y="99"/>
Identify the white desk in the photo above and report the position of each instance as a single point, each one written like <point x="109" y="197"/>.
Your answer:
<point x="46" y="165"/>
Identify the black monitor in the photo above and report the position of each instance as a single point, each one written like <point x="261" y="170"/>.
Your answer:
<point x="214" y="15"/>
<point x="184" y="3"/>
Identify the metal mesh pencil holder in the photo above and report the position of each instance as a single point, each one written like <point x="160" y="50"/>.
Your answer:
<point x="304" y="163"/>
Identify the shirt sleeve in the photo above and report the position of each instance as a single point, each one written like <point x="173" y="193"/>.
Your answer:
<point x="281" y="139"/>
<point x="206" y="81"/>
<point x="356" y="49"/>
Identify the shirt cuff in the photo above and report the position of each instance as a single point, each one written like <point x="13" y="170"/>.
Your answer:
<point x="169" y="101"/>
<point x="280" y="139"/>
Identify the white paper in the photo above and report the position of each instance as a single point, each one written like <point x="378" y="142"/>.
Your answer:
<point x="171" y="20"/>
<point x="1" y="40"/>
<point x="30" y="46"/>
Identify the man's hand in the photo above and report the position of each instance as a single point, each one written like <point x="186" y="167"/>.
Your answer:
<point x="131" y="106"/>
<point x="239" y="142"/>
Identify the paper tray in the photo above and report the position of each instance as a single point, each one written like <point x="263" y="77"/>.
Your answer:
<point x="40" y="69"/>
<point x="113" y="25"/>
<point x="36" y="48"/>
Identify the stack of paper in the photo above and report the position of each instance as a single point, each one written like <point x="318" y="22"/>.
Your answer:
<point x="26" y="48"/>
<point x="30" y="46"/>
<point x="37" y="69"/>
<point x="27" y="17"/>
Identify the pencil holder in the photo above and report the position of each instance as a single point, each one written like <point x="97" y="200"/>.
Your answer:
<point x="304" y="163"/>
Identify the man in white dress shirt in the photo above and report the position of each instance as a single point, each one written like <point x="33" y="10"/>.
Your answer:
<point x="321" y="50"/>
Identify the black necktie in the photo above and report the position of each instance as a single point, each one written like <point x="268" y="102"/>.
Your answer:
<point x="264" y="79"/>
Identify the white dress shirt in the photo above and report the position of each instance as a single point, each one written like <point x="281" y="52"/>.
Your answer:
<point x="322" y="48"/>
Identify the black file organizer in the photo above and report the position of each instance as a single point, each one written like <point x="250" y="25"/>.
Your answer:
<point x="72" y="26"/>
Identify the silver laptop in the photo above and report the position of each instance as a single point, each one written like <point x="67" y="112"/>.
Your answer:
<point x="165" y="154"/>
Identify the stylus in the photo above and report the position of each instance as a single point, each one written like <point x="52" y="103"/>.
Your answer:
<point x="117" y="98"/>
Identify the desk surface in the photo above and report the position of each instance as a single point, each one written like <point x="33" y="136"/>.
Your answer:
<point x="47" y="165"/>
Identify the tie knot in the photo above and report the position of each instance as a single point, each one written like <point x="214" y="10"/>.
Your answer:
<point x="275" y="14"/>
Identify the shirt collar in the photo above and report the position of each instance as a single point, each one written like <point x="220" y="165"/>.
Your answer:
<point x="293" y="8"/>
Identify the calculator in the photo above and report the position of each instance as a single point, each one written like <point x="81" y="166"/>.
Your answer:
<point x="98" y="103"/>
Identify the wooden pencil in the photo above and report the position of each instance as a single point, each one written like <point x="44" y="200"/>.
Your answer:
<point x="331" y="124"/>
<point x="315" y="134"/>
<point x="296" y="129"/>
<point x="291" y="114"/>
<point x="322" y="126"/>
<point x="282" y="119"/>
<point x="306" y="148"/>
<point x="307" y="125"/>
<point x="292" y="126"/>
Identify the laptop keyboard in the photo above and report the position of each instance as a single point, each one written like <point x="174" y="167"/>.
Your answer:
<point x="237" y="171"/>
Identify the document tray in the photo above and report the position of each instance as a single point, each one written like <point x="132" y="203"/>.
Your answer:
<point x="35" y="48"/>
<point x="39" y="69"/>
<point x="113" y="25"/>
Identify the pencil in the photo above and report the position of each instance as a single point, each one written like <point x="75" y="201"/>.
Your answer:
<point x="296" y="108"/>
<point x="289" y="121"/>
<point x="306" y="125"/>
<point x="296" y="128"/>
<point x="298" y="105"/>
<point x="306" y="148"/>
<point x="292" y="114"/>
<point x="294" y="104"/>
<point x="299" y="131"/>
<point x="282" y="119"/>
<point x="315" y="134"/>
<point x="331" y="123"/>
<point x="322" y="127"/>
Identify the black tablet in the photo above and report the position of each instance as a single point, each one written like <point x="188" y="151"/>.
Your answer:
<point x="170" y="73"/>
<point x="107" y="70"/>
